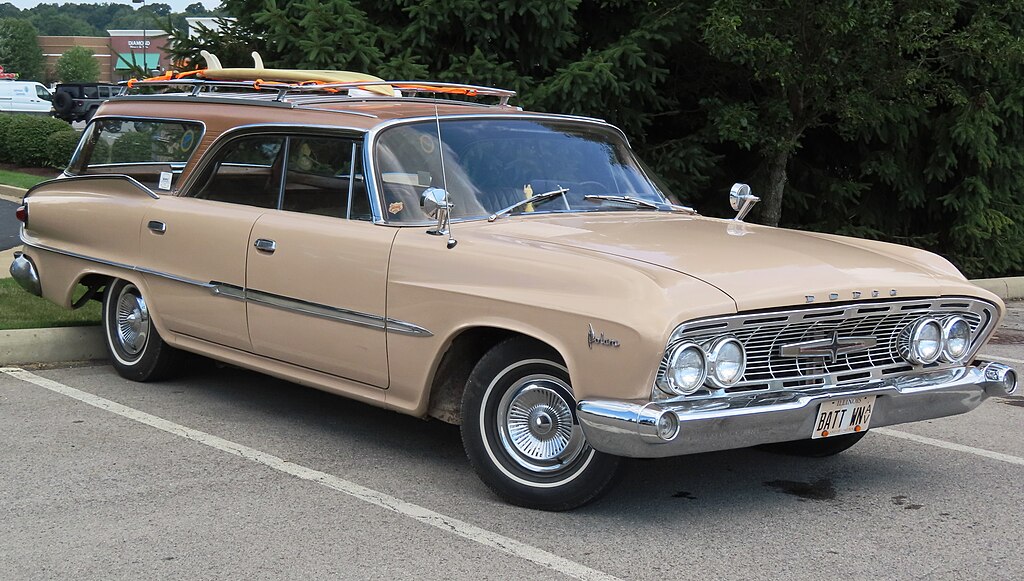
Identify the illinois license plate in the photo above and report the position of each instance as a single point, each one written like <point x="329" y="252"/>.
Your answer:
<point x="843" y="416"/>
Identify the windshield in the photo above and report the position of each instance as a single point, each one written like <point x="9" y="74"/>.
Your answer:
<point x="490" y="164"/>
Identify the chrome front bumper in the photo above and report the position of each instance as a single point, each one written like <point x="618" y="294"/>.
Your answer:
<point x="630" y="428"/>
<point x="23" y="271"/>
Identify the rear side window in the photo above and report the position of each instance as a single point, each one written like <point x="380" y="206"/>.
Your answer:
<point x="140" y="148"/>
<point x="307" y="174"/>
<point x="246" y="171"/>
<point x="325" y="177"/>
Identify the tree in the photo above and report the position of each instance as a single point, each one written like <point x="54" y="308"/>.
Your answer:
<point x="8" y="10"/>
<point x="158" y="8"/>
<point x="19" y="50"/>
<point x="196" y="9"/>
<point x="78" y="65"/>
<point x="53" y="23"/>
<point x="810" y="63"/>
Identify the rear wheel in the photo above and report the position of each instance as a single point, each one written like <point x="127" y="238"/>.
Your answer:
<point x="521" y="433"/>
<point x="820" y="448"/>
<point x="136" y="349"/>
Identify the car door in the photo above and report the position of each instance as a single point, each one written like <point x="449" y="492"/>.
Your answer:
<point x="198" y="242"/>
<point x="317" y="269"/>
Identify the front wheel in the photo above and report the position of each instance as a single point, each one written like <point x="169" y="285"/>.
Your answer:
<point x="136" y="349"/>
<point x="521" y="433"/>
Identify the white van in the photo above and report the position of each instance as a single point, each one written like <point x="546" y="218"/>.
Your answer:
<point x="24" y="97"/>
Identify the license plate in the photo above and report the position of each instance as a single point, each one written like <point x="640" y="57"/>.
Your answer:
<point x="843" y="416"/>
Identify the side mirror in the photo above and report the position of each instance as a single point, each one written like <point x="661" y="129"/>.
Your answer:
<point x="741" y="200"/>
<point x="434" y="202"/>
<point x="436" y="205"/>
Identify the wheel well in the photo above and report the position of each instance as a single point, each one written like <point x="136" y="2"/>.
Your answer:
<point x="93" y="282"/>
<point x="457" y="363"/>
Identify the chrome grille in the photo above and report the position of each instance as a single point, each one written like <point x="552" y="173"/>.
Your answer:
<point x="764" y="333"/>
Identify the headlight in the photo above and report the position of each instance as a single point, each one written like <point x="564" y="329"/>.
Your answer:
<point x="686" y="371"/>
<point x="956" y="339"/>
<point x="726" y="362"/>
<point x="925" y="341"/>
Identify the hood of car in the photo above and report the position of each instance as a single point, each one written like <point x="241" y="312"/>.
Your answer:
<point x="759" y="267"/>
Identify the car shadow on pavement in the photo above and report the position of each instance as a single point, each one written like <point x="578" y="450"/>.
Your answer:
<point x="374" y="439"/>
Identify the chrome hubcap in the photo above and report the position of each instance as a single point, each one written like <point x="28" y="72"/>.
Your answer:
<point x="132" y="320"/>
<point x="536" y="424"/>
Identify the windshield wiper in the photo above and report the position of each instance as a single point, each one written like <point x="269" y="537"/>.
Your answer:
<point x="532" y="200"/>
<point x="640" y="203"/>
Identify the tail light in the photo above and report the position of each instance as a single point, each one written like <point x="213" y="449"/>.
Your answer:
<point x="22" y="214"/>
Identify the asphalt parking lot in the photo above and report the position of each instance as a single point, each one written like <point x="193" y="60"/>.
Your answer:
<point x="9" y="225"/>
<point x="224" y="473"/>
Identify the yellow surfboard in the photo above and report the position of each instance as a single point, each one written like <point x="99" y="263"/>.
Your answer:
<point x="296" y="76"/>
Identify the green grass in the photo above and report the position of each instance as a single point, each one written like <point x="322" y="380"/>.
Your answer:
<point x="20" y="310"/>
<point x="19" y="180"/>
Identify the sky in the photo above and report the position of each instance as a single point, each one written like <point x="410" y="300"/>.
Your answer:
<point x="176" y="5"/>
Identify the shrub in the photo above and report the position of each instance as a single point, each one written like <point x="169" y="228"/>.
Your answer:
<point x="26" y="139"/>
<point x="59" y="147"/>
<point x="5" y="122"/>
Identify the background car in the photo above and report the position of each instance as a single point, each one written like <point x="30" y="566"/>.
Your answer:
<point x="24" y="97"/>
<point x="79" y="101"/>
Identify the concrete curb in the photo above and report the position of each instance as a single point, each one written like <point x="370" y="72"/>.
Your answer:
<point x="12" y="194"/>
<point x="52" y="345"/>
<point x="1006" y="288"/>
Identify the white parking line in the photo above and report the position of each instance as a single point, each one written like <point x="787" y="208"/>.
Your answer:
<point x="1001" y="358"/>
<point x="949" y="445"/>
<point x="368" y="495"/>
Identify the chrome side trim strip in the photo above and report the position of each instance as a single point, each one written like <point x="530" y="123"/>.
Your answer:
<point x="351" y="317"/>
<point x="121" y="265"/>
<point x="238" y="293"/>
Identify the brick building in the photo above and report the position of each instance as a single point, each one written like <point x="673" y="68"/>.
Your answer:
<point x="115" y="52"/>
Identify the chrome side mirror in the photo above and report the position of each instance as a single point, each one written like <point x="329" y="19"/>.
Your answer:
<point x="435" y="202"/>
<point x="436" y="205"/>
<point x="741" y="200"/>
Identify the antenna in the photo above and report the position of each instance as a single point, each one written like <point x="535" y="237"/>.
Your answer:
<point x="446" y="226"/>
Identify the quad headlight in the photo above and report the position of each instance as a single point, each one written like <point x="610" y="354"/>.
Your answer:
<point x="932" y="340"/>
<point x="719" y="363"/>
<point x="686" y="371"/>
<point x="925" y="341"/>
<point x="726" y="362"/>
<point x="956" y="339"/>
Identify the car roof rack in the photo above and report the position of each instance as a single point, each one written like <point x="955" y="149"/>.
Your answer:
<point x="199" y="86"/>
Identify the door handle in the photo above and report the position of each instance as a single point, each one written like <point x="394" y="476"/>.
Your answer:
<point x="264" y="245"/>
<point x="157" y="226"/>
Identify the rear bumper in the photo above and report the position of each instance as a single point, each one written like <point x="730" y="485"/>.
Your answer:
<point x="24" y="272"/>
<point x="629" y="428"/>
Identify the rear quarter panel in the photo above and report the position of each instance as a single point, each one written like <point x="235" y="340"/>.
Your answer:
<point x="96" y="217"/>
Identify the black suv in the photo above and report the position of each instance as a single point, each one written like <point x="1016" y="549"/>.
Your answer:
<point x="79" y="101"/>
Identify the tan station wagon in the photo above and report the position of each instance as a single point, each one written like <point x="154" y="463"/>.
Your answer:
<point x="521" y="274"/>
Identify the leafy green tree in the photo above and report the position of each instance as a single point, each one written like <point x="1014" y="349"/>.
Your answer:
<point x="8" y="10"/>
<point x="53" y="23"/>
<point x="78" y="65"/>
<point x="19" y="50"/>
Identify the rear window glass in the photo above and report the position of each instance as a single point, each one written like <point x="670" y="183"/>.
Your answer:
<point x="140" y="148"/>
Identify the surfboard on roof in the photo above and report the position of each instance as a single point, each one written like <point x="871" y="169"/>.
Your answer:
<point x="214" y="71"/>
